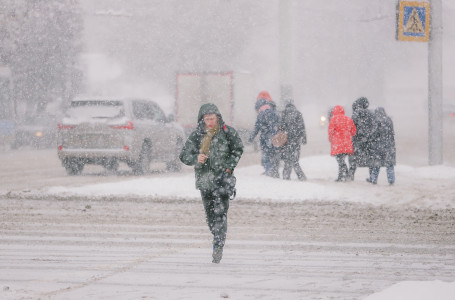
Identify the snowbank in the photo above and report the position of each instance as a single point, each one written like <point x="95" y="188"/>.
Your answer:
<point x="426" y="187"/>
<point x="416" y="290"/>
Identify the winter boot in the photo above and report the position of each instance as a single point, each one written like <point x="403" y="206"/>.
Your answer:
<point x="371" y="181"/>
<point x="350" y="174"/>
<point x="340" y="179"/>
<point x="341" y="176"/>
<point x="217" y="254"/>
<point x="302" y="177"/>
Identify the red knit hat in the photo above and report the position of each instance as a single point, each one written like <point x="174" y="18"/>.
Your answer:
<point x="264" y="95"/>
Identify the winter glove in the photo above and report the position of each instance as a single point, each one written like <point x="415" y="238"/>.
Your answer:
<point x="225" y="185"/>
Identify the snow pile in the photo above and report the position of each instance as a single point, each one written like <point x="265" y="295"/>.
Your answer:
<point x="417" y="290"/>
<point x="430" y="187"/>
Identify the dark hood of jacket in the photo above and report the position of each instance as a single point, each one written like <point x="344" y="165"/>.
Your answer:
<point x="208" y="108"/>
<point x="290" y="106"/>
<point x="361" y="103"/>
<point x="380" y="112"/>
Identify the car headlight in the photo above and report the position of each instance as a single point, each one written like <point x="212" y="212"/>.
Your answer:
<point x="39" y="133"/>
<point x="322" y="121"/>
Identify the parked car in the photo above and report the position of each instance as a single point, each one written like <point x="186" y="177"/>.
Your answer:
<point x="39" y="131"/>
<point x="108" y="131"/>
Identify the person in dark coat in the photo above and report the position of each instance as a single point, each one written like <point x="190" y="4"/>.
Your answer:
<point x="365" y="124"/>
<point x="341" y="130"/>
<point x="214" y="149"/>
<point x="329" y="114"/>
<point x="384" y="151"/>
<point x="292" y="123"/>
<point x="267" y="125"/>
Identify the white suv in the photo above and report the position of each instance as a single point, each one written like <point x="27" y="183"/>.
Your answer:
<point x="107" y="131"/>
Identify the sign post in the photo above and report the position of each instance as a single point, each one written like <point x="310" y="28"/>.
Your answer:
<point x="435" y="85"/>
<point x="286" y="90"/>
<point x="414" y="25"/>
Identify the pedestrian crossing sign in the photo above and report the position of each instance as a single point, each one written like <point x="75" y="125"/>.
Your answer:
<point x="414" y="21"/>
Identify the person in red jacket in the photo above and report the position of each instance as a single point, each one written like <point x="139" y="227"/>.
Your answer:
<point x="341" y="131"/>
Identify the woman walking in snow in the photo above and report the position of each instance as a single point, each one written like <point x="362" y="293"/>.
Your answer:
<point x="341" y="131"/>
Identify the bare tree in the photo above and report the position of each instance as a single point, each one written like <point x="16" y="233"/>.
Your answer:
<point x="41" y="42"/>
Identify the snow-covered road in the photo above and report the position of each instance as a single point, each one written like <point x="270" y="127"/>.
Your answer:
<point x="133" y="248"/>
<point x="102" y="236"/>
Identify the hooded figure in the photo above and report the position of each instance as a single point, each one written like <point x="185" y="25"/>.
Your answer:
<point x="292" y="123"/>
<point x="267" y="125"/>
<point x="384" y="151"/>
<point x="214" y="149"/>
<point x="365" y="124"/>
<point x="341" y="130"/>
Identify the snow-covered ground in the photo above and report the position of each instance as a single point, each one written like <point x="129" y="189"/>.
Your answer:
<point x="55" y="246"/>
<point x="429" y="187"/>
<point x="416" y="291"/>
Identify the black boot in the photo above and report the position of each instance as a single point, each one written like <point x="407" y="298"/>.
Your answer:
<point x="342" y="174"/>
<point x="217" y="254"/>
<point x="341" y="178"/>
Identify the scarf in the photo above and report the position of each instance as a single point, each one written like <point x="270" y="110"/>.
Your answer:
<point x="209" y="134"/>
<point x="263" y="107"/>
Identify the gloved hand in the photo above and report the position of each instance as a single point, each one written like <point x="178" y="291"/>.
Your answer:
<point x="225" y="185"/>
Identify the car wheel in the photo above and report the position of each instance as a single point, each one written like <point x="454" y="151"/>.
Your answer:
<point x="142" y="165"/>
<point x="111" y="165"/>
<point x="73" y="166"/>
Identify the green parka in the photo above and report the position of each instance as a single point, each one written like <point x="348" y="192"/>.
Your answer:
<point x="226" y="148"/>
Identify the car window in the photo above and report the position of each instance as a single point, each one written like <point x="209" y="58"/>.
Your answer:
<point x="159" y="114"/>
<point x="148" y="110"/>
<point x="96" y="109"/>
<point x="143" y="111"/>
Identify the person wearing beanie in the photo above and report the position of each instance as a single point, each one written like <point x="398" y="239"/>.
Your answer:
<point x="266" y="124"/>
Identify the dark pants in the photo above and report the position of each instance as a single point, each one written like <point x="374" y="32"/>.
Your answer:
<point x="374" y="173"/>
<point x="216" y="209"/>
<point x="352" y="169"/>
<point x="291" y="158"/>
<point x="270" y="161"/>
<point x="342" y="167"/>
